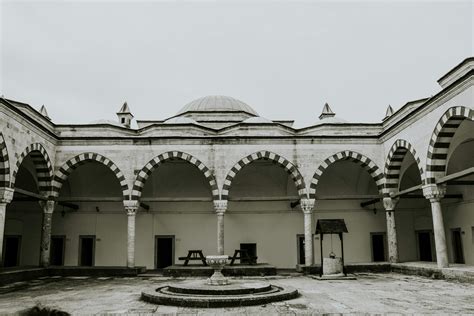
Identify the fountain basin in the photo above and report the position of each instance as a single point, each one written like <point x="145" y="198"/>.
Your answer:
<point x="199" y="294"/>
<point x="217" y="263"/>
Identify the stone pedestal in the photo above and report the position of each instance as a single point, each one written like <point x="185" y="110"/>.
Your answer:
<point x="217" y="263"/>
<point x="332" y="266"/>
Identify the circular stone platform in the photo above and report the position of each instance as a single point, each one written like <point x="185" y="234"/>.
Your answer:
<point x="197" y="293"/>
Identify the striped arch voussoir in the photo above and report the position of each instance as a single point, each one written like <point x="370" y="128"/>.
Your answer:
<point x="266" y="155"/>
<point x="43" y="166"/>
<point x="4" y="164"/>
<point x="148" y="169"/>
<point x="360" y="159"/>
<point x="441" y="138"/>
<point x="70" y="165"/>
<point x="394" y="161"/>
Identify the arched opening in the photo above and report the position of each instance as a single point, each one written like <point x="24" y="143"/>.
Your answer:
<point x="89" y="225"/>
<point x="459" y="213"/>
<point x="263" y="216"/>
<point x="340" y="185"/>
<point x="449" y="163"/>
<point x="178" y="191"/>
<point x="23" y="221"/>
<point x="413" y="218"/>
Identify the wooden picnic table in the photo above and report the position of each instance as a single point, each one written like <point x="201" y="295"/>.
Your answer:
<point x="194" y="255"/>
<point x="242" y="254"/>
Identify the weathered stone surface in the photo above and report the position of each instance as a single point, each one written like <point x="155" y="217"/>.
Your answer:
<point x="374" y="293"/>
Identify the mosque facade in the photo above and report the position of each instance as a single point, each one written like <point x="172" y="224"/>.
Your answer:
<point x="218" y="177"/>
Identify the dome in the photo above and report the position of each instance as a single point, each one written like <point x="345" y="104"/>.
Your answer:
<point x="217" y="103"/>
<point x="257" y="120"/>
<point x="180" y="120"/>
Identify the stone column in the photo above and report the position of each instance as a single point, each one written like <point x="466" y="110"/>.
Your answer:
<point x="131" y="207"/>
<point x="220" y="206"/>
<point x="45" y="247"/>
<point x="6" y="196"/>
<point x="307" y="206"/>
<point x="434" y="193"/>
<point x="389" y="204"/>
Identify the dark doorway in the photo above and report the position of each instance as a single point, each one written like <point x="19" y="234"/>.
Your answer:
<point x="86" y="250"/>
<point x="57" y="250"/>
<point x="458" y="255"/>
<point x="252" y="252"/>
<point x="300" y="241"/>
<point x="378" y="247"/>
<point x="164" y="251"/>
<point x="424" y="245"/>
<point x="11" y="250"/>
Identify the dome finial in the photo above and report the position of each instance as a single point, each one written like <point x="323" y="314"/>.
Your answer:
<point x="124" y="115"/>
<point x="327" y="112"/>
<point x="388" y="113"/>
<point x="44" y="112"/>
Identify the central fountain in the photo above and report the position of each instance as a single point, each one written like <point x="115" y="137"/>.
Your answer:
<point x="217" y="290"/>
<point x="217" y="263"/>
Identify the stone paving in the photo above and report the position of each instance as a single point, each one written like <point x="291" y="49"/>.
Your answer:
<point x="370" y="293"/>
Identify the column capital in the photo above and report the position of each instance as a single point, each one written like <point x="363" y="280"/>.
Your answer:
<point x="434" y="192"/>
<point x="6" y="195"/>
<point x="220" y="206"/>
<point x="389" y="203"/>
<point x="131" y="206"/>
<point x="307" y="205"/>
<point x="48" y="206"/>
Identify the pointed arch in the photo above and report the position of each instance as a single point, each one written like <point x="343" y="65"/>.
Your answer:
<point x="67" y="168"/>
<point x="441" y="138"/>
<point x="4" y="164"/>
<point x="393" y="163"/>
<point x="43" y="167"/>
<point x="148" y="169"/>
<point x="265" y="155"/>
<point x="360" y="159"/>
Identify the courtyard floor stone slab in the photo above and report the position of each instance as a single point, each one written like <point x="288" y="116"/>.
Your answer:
<point x="370" y="293"/>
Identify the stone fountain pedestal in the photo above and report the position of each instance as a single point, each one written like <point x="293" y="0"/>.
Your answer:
<point x="217" y="263"/>
<point x="217" y="291"/>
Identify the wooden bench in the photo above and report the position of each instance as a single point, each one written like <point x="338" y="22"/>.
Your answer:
<point x="240" y="254"/>
<point x="194" y="255"/>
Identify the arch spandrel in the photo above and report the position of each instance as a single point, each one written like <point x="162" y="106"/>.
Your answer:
<point x="4" y="164"/>
<point x="43" y="167"/>
<point x="154" y="163"/>
<point x="70" y="165"/>
<point x="393" y="164"/>
<point x="363" y="161"/>
<point x="290" y="168"/>
<point x="443" y="134"/>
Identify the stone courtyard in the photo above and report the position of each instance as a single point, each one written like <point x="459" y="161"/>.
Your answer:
<point x="370" y="293"/>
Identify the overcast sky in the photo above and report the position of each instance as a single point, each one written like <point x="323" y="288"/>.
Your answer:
<point x="286" y="59"/>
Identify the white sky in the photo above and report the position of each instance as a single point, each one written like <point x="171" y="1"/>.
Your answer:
<point x="286" y="59"/>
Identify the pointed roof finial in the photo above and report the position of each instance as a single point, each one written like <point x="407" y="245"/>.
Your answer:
<point x="327" y="112"/>
<point x="388" y="113"/>
<point x="44" y="112"/>
<point x="124" y="109"/>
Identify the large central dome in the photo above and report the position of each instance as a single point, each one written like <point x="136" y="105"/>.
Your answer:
<point x="217" y="103"/>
